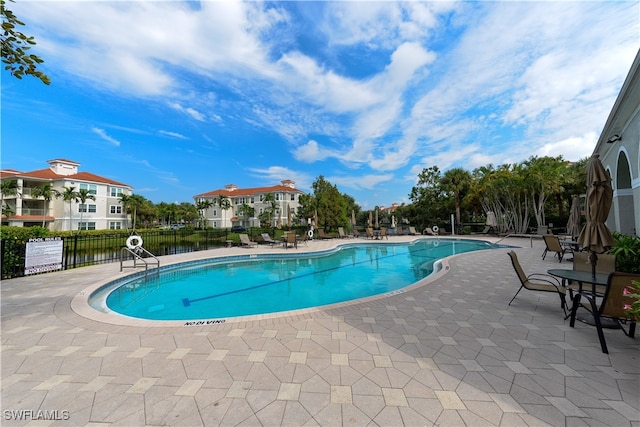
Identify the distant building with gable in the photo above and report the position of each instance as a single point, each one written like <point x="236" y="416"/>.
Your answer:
<point x="286" y="196"/>
<point x="25" y="208"/>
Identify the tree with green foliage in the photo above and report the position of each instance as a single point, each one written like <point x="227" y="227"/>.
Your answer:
<point x="47" y="192"/>
<point x="428" y="199"/>
<point x="269" y="212"/>
<point x="15" y="45"/>
<point x="84" y="195"/>
<point x="543" y="178"/>
<point x="9" y="188"/>
<point x="246" y="211"/>
<point x="456" y="181"/>
<point x="69" y="195"/>
<point x="202" y="206"/>
<point x="224" y="204"/>
<point x="330" y="205"/>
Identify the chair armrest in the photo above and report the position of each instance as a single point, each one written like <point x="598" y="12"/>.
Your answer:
<point x="545" y="278"/>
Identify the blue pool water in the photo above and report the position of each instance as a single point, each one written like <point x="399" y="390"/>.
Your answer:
<point x="269" y="283"/>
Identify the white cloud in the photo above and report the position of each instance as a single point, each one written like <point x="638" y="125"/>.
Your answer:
<point x="102" y="134"/>
<point x="191" y="112"/>
<point x="366" y="182"/>
<point x="274" y="174"/>
<point x="175" y="135"/>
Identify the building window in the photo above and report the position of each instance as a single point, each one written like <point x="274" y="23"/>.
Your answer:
<point x="115" y="209"/>
<point x="83" y="207"/>
<point x="293" y="197"/>
<point x="261" y="197"/>
<point x="115" y="191"/>
<point x="215" y="212"/>
<point x="252" y="200"/>
<point x="115" y="225"/>
<point x="93" y="189"/>
<point x="86" y="226"/>
<point x="277" y="196"/>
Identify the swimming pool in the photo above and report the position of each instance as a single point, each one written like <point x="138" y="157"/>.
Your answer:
<point x="268" y="283"/>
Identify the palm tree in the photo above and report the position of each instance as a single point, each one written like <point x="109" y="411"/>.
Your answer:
<point x="83" y="195"/>
<point x="47" y="192"/>
<point x="273" y="206"/>
<point x="9" y="188"/>
<point x="132" y="201"/>
<point x="456" y="181"/>
<point x="202" y="206"/>
<point x="69" y="195"/>
<point x="224" y="203"/>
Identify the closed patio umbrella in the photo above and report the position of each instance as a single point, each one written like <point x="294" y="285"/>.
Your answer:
<point x="370" y="219"/>
<point x="288" y="216"/>
<point x="377" y="223"/>
<point x="575" y="219"/>
<point x="353" y="218"/>
<point x="595" y="236"/>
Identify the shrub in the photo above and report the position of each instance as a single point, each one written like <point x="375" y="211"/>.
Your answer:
<point x="627" y="252"/>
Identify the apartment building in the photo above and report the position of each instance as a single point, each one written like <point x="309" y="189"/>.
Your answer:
<point x="286" y="196"/>
<point x="25" y="208"/>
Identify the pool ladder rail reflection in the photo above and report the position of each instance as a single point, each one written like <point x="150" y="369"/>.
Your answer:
<point x="138" y="259"/>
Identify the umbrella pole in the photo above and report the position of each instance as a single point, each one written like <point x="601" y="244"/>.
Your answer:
<point x="594" y="260"/>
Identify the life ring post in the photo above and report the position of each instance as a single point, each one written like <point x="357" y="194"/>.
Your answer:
<point x="134" y="242"/>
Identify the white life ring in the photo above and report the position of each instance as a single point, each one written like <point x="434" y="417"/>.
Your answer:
<point x="310" y="234"/>
<point x="435" y="228"/>
<point x="134" y="242"/>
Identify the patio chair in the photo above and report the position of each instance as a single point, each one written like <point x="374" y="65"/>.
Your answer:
<point x="412" y="231"/>
<point x="267" y="239"/>
<point x="356" y="233"/>
<point x="290" y="239"/>
<point x="369" y="232"/>
<point x="553" y="245"/>
<point x="246" y="242"/>
<point x="341" y="233"/>
<point x="581" y="262"/>
<point x="611" y="306"/>
<point x="383" y="233"/>
<point x="537" y="282"/>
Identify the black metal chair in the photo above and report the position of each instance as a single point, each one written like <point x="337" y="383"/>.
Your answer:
<point x="537" y="282"/>
<point x="611" y="306"/>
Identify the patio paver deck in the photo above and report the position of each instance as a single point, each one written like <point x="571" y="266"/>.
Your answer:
<point x="450" y="352"/>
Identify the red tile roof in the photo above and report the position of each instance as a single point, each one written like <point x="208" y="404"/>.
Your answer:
<point x="48" y="174"/>
<point x="250" y="191"/>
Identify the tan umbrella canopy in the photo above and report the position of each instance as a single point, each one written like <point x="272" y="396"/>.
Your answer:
<point x="288" y="216"/>
<point x="575" y="218"/>
<point x="279" y="222"/>
<point x="315" y="219"/>
<point x="353" y="218"/>
<point x="595" y="235"/>
<point x="370" y="219"/>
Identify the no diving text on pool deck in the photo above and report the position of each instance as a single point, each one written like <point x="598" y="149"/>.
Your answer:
<point x="43" y="254"/>
<point x="205" y="322"/>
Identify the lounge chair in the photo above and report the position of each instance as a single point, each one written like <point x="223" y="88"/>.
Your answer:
<point x="553" y="245"/>
<point x="412" y="231"/>
<point x="341" y="233"/>
<point x="356" y="233"/>
<point x="537" y="282"/>
<point x="430" y="231"/>
<point x="321" y="234"/>
<point x="267" y="239"/>
<point x="612" y="306"/>
<point x="246" y="242"/>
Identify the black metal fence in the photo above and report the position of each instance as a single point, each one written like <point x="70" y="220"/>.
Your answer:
<point x="84" y="250"/>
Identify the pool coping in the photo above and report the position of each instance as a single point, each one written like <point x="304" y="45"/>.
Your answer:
<point x="81" y="306"/>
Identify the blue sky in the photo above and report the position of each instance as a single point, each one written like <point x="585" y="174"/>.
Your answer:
<point x="181" y="98"/>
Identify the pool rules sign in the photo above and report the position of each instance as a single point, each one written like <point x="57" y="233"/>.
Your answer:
<point x="43" y="254"/>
